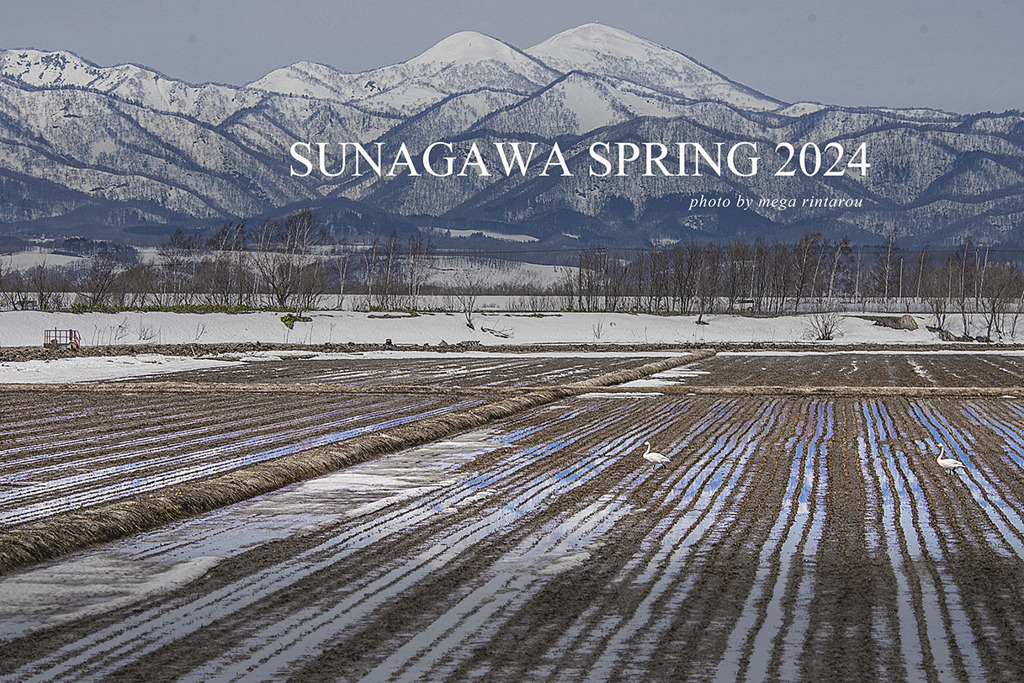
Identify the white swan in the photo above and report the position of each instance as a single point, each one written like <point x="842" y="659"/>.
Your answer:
<point x="947" y="463"/>
<point x="654" y="457"/>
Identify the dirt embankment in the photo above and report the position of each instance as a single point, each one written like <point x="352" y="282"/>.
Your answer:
<point x="23" y="353"/>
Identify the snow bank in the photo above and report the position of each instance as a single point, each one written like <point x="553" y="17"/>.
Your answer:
<point x="92" y="369"/>
<point x="25" y="328"/>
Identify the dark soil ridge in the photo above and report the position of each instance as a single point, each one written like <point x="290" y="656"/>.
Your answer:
<point x="845" y="391"/>
<point x="50" y="538"/>
<point x="23" y="353"/>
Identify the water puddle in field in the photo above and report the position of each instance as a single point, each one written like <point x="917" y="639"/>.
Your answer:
<point x="929" y="604"/>
<point x="127" y="571"/>
<point x="187" y="466"/>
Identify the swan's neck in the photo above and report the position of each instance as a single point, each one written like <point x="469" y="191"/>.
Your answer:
<point x="648" y="444"/>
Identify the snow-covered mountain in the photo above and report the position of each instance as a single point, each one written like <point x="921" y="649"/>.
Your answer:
<point x="463" y="62"/>
<point x="127" y="82"/>
<point x="85" y="148"/>
<point x="607" y="51"/>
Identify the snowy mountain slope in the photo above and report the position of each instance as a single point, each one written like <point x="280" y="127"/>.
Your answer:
<point x="919" y="182"/>
<point x="579" y="103"/>
<point x="608" y="51"/>
<point x="461" y="63"/>
<point x="209" y="103"/>
<point x="113" y="151"/>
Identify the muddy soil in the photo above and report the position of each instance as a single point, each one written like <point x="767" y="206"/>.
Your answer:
<point x="447" y="370"/>
<point x="990" y="369"/>
<point x="788" y="538"/>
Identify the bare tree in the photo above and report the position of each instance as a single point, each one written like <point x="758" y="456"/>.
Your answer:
<point x="342" y="259"/>
<point x="417" y="266"/>
<point x="1000" y="285"/>
<point x="7" y="283"/>
<point x="178" y="259"/>
<point x="136" y="283"/>
<point x="287" y="262"/>
<point x="101" y="278"/>
<point x="387" y="281"/>
<point x="806" y="257"/>
<point x="226" y="274"/>
<point x="825" y="322"/>
<point x="707" y="282"/>
<point x="467" y="284"/>
<point x="46" y="286"/>
<point x="369" y="262"/>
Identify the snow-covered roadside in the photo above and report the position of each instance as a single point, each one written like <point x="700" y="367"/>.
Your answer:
<point x="25" y="328"/>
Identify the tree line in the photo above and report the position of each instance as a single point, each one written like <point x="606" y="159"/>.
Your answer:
<point x="294" y="264"/>
<point x="813" y="275"/>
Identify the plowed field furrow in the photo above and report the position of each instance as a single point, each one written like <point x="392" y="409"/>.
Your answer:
<point x="305" y="636"/>
<point x="985" y="492"/>
<point x="931" y="548"/>
<point x="911" y="635"/>
<point x="126" y="445"/>
<point x="185" y="424"/>
<point x="49" y="445"/>
<point x="944" y="628"/>
<point x="142" y="473"/>
<point x="160" y="626"/>
<point x="852" y="626"/>
<point x="971" y="541"/>
<point x="569" y="479"/>
<point x="755" y="634"/>
<point x="991" y="369"/>
<point x="681" y="497"/>
<point x="1007" y="371"/>
<point x="789" y="537"/>
<point x="1008" y="442"/>
<point x="29" y="414"/>
<point x="700" y="503"/>
<point x="498" y="371"/>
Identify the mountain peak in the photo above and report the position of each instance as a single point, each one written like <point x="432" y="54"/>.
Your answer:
<point x="468" y="47"/>
<point x="607" y="38"/>
<point x="618" y="54"/>
<point x="47" y="69"/>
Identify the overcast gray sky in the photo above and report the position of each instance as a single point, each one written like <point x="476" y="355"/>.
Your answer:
<point x="962" y="56"/>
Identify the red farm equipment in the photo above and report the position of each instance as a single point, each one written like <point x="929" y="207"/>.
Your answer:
<point x="55" y="339"/>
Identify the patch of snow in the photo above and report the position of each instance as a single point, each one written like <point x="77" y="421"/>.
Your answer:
<point x="98" y="368"/>
<point x="606" y="51"/>
<point x="25" y="328"/>
<point x="801" y="109"/>
<point x="506" y="237"/>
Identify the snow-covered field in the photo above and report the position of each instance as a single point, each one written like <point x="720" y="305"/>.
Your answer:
<point x="25" y="328"/>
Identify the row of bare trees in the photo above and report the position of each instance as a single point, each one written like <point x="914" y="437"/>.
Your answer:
<point x="288" y="264"/>
<point x="814" y="274"/>
<point x="294" y="264"/>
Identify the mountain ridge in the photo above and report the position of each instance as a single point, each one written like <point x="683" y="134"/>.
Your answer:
<point x="129" y="145"/>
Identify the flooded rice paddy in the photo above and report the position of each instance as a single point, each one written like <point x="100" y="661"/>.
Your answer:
<point x="789" y="538"/>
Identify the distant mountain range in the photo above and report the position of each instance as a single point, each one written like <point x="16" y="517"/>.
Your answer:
<point x="100" y="150"/>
